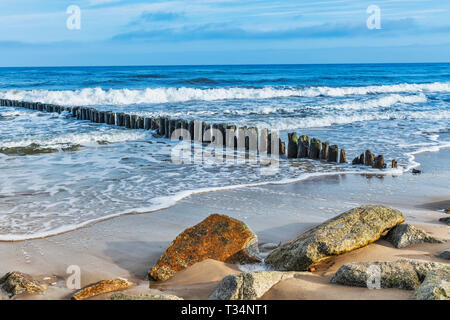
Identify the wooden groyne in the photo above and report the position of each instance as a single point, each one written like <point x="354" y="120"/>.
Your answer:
<point x="217" y="134"/>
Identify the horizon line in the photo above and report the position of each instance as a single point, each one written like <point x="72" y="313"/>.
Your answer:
<point x="225" y="65"/>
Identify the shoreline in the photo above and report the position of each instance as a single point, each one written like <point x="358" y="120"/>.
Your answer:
<point x="175" y="199"/>
<point x="129" y="245"/>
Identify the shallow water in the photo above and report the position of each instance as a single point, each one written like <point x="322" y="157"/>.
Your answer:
<point x="96" y="171"/>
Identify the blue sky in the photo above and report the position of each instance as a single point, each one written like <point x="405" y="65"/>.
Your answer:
<point x="136" y="32"/>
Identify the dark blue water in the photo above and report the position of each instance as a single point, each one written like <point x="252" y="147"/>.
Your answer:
<point x="97" y="171"/>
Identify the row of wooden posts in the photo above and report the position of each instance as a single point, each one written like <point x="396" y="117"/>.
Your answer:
<point x="251" y="139"/>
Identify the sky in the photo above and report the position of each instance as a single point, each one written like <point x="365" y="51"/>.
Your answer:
<point x="137" y="32"/>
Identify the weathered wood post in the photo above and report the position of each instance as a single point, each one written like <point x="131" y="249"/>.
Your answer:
<point x="324" y="153"/>
<point x="394" y="164"/>
<point x="292" y="145"/>
<point x="378" y="162"/>
<point x="127" y="121"/>
<point x="369" y="157"/>
<point x="263" y="141"/>
<point x="342" y="156"/>
<point x="316" y="148"/>
<point x="303" y="149"/>
<point x="333" y="153"/>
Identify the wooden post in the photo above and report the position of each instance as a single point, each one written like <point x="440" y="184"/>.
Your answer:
<point x="342" y="157"/>
<point x="304" y="146"/>
<point x="333" y="153"/>
<point x="324" y="153"/>
<point x="369" y="157"/>
<point x="292" y="145"/>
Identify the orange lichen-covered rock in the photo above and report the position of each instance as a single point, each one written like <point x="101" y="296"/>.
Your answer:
<point x="101" y="287"/>
<point x="218" y="237"/>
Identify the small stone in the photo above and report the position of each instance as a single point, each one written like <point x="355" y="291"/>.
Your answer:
<point x="444" y="254"/>
<point x="15" y="283"/>
<point x="445" y="220"/>
<point x="405" y="235"/>
<point x="101" y="287"/>
<point x="416" y="171"/>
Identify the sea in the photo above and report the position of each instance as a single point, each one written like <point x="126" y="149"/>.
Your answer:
<point x="58" y="174"/>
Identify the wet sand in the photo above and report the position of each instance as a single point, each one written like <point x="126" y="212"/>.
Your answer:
<point x="129" y="246"/>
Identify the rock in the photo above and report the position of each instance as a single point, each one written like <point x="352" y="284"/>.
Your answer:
<point x="292" y="145"/>
<point x="333" y="153"/>
<point x="394" y="164"/>
<point x="378" y="162"/>
<point x="342" y="157"/>
<point x="121" y="296"/>
<point x="415" y="171"/>
<point x="444" y="254"/>
<point x="405" y="235"/>
<point x="400" y="274"/>
<point x="101" y="287"/>
<point x="356" y="161"/>
<point x="445" y="220"/>
<point x="436" y="286"/>
<point x="350" y="230"/>
<point x="447" y="210"/>
<point x="15" y="283"/>
<point x="218" y="237"/>
<point x="248" y="286"/>
<point x="369" y="158"/>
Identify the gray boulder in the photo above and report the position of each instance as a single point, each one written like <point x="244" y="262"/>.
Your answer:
<point x="436" y="286"/>
<point x="350" y="230"/>
<point x="400" y="274"/>
<point x="405" y="235"/>
<point x="444" y="254"/>
<point x="248" y="286"/>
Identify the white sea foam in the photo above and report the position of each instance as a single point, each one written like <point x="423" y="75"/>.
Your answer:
<point x="98" y="96"/>
<point x="87" y="138"/>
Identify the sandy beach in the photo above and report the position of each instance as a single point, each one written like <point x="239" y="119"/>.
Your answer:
<point x="128" y="246"/>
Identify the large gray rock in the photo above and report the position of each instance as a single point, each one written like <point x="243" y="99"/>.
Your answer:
<point x="350" y="230"/>
<point x="436" y="286"/>
<point x="401" y="274"/>
<point x="248" y="286"/>
<point x="405" y="235"/>
<point x="444" y="254"/>
<point x="15" y="283"/>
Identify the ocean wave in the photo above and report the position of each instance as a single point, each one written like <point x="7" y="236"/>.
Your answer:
<point x="88" y="138"/>
<point x="342" y="119"/>
<point x="98" y="96"/>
